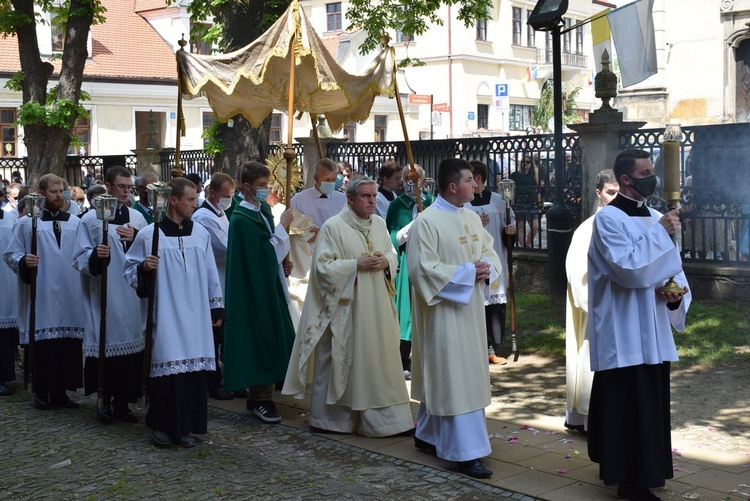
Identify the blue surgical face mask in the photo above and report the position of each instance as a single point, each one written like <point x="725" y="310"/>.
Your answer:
<point x="261" y="195"/>
<point x="224" y="203"/>
<point x="339" y="182"/>
<point x="66" y="194"/>
<point x="409" y="188"/>
<point x="327" y="187"/>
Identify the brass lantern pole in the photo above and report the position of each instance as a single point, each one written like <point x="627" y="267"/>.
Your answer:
<point x="508" y="189"/>
<point x="671" y="163"/>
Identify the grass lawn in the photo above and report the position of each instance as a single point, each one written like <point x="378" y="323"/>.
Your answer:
<point x="717" y="333"/>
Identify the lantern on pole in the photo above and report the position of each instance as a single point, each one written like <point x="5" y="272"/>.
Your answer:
<point x="105" y="207"/>
<point x="34" y="204"/>
<point x="508" y="189"/>
<point x="158" y="200"/>
<point x="671" y="156"/>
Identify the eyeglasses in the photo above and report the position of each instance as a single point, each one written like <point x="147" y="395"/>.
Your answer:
<point x="124" y="187"/>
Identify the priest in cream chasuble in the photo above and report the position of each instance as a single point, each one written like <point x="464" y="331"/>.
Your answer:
<point x="349" y="325"/>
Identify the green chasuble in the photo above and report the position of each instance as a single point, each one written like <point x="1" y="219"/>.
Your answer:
<point x="399" y="215"/>
<point x="258" y="331"/>
<point x="146" y="215"/>
<point x="236" y="201"/>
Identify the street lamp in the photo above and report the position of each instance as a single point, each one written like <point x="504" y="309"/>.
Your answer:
<point x="548" y="16"/>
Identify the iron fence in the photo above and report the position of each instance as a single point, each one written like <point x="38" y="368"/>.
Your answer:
<point x="504" y="157"/>
<point x="715" y="194"/>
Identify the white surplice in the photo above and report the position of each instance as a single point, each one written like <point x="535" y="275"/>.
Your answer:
<point x="60" y="306"/>
<point x="629" y="258"/>
<point x="311" y="202"/>
<point x="9" y="297"/>
<point x="187" y="288"/>
<point x="126" y="312"/>
<point x="215" y="221"/>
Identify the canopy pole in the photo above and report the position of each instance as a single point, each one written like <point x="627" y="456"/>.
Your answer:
<point x="413" y="175"/>
<point x="316" y="136"/>
<point x="289" y="153"/>
<point x="180" y="114"/>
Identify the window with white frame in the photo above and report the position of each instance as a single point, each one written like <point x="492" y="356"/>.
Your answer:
<point x="517" y="26"/>
<point x="530" y="33"/>
<point x="8" y="130"/>
<point x="381" y="125"/>
<point x="275" y="131"/>
<point x="207" y="120"/>
<point x="520" y="116"/>
<point x="81" y="129"/>
<point x="481" y="29"/>
<point x="579" y="40"/>
<point x="350" y="131"/>
<point x="198" y="45"/>
<point x="483" y="116"/>
<point x="333" y="16"/>
<point x="568" y="35"/>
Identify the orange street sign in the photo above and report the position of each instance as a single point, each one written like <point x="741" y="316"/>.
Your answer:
<point x="441" y="107"/>
<point x="420" y="99"/>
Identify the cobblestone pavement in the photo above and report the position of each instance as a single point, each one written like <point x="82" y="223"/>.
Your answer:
<point x="65" y="454"/>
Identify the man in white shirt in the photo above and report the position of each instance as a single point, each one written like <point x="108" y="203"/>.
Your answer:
<point x="210" y="214"/>
<point x="321" y="201"/>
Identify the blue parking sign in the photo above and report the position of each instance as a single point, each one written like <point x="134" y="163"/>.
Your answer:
<point x="501" y="90"/>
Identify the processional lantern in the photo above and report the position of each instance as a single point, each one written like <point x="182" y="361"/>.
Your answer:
<point x="158" y="198"/>
<point x="508" y="189"/>
<point x="671" y="163"/>
<point x="105" y="207"/>
<point x="34" y="205"/>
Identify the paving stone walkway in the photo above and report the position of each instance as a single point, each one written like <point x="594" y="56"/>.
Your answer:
<point x="66" y="454"/>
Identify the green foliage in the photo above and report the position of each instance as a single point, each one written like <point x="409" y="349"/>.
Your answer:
<point x="61" y="113"/>
<point x="717" y="333"/>
<point x="15" y="83"/>
<point x="215" y="142"/>
<point x="412" y="17"/>
<point x="545" y="110"/>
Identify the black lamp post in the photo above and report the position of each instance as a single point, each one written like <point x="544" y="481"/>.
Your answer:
<point x="548" y="16"/>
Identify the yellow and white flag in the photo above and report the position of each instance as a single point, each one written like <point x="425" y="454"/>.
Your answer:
<point x="602" y="38"/>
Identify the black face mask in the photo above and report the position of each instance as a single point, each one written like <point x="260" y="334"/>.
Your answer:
<point x="645" y="186"/>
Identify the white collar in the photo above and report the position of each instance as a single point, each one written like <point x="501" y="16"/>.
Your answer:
<point x="442" y="204"/>
<point x="250" y="206"/>
<point x="640" y="203"/>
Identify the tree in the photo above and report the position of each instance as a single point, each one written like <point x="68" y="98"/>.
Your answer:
<point x="544" y="111"/>
<point x="239" y="22"/>
<point x="48" y="117"/>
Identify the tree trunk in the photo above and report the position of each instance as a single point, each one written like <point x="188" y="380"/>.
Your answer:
<point x="48" y="145"/>
<point x="243" y="23"/>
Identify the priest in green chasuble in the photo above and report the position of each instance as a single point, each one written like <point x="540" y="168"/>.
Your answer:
<point x="349" y="327"/>
<point x="258" y="332"/>
<point x="450" y="256"/>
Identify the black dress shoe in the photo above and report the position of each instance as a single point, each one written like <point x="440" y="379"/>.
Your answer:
<point x="126" y="415"/>
<point x="41" y="403"/>
<point x="66" y="404"/>
<point x="188" y="441"/>
<point x="636" y="493"/>
<point x="220" y="395"/>
<point x="161" y="439"/>
<point x="474" y="468"/>
<point x="104" y="413"/>
<point x="5" y="391"/>
<point x="424" y="446"/>
<point x="576" y="427"/>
